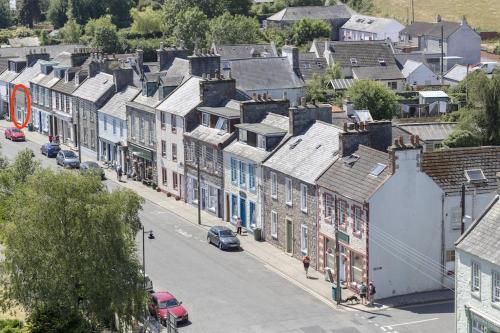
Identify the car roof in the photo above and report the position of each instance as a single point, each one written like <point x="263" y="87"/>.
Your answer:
<point x="163" y="295"/>
<point x="13" y="128"/>
<point x="67" y="151"/>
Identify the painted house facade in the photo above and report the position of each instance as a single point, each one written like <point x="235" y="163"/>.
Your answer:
<point x="418" y="74"/>
<point x="477" y="293"/>
<point x="362" y="27"/>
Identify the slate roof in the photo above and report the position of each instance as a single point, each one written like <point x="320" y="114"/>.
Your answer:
<point x="116" y="106"/>
<point x="263" y="129"/>
<point x="431" y="29"/>
<point x="146" y="102"/>
<point x="209" y="135"/>
<point x="291" y="14"/>
<point x="264" y="73"/>
<point x="354" y="181"/>
<point x="446" y="167"/>
<point x="482" y="239"/>
<point x="52" y="50"/>
<point x="230" y="110"/>
<point x="28" y="73"/>
<point x="310" y="65"/>
<point x="367" y="53"/>
<point x="410" y="66"/>
<point x="307" y="155"/>
<point x="177" y="72"/>
<point x="8" y="76"/>
<point x="66" y="87"/>
<point x="24" y="41"/>
<point x="92" y="89"/>
<point x="457" y="73"/>
<point x="247" y="152"/>
<point x="183" y="99"/>
<point x="429" y="131"/>
<point x="370" y="23"/>
<point x="378" y="73"/>
<point x="245" y="51"/>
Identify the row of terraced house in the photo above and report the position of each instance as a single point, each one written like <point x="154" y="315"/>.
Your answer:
<point x="276" y="162"/>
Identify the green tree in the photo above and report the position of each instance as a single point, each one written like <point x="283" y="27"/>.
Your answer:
<point x="237" y="7"/>
<point x="191" y="27"/>
<point x="68" y="243"/>
<point x="29" y="12"/>
<point x="102" y="33"/>
<point x="372" y="95"/>
<point x="306" y="30"/>
<point x="120" y="12"/>
<point x="462" y="138"/>
<point x="361" y="6"/>
<point x="316" y="89"/>
<point x="147" y="21"/>
<point x="229" y="29"/>
<point x="71" y="32"/>
<point x="333" y="72"/>
<point x="5" y="17"/>
<point x="57" y="13"/>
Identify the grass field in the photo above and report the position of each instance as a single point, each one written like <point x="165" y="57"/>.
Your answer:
<point x="481" y="14"/>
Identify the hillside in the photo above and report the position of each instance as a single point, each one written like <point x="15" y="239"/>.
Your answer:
<point x="481" y="14"/>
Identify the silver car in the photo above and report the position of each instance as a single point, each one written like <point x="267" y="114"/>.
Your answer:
<point x="223" y="237"/>
<point x="67" y="159"/>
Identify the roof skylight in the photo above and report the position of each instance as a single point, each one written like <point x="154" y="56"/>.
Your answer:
<point x="378" y="169"/>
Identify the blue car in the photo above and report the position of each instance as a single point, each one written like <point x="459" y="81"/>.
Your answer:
<point x="50" y="149"/>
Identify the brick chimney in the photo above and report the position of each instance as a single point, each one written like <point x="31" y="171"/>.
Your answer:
<point x="122" y="78"/>
<point x="166" y="55"/>
<point x="33" y="57"/>
<point x="303" y="116"/>
<point x="204" y="63"/>
<point x="407" y="155"/>
<point x="292" y="54"/>
<point x="376" y="135"/>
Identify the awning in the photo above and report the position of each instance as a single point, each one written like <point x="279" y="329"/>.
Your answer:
<point x="141" y="152"/>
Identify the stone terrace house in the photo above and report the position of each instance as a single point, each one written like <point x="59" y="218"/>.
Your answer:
<point x="475" y="170"/>
<point x="264" y="124"/>
<point x="431" y="135"/>
<point x="344" y="193"/>
<point x="363" y="60"/>
<point x="290" y="205"/>
<point x="477" y="293"/>
<point x="15" y="67"/>
<point x="112" y="126"/>
<point x="205" y="139"/>
<point x="244" y="51"/>
<point x="336" y="16"/>
<point x="460" y="39"/>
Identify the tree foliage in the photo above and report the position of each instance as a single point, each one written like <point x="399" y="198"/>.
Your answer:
<point x="5" y="16"/>
<point x="191" y="27"/>
<point x="462" y="138"/>
<point x="57" y="12"/>
<point x="147" y="21"/>
<point x="102" y="33"/>
<point x="373" y="96"/>
<point x="361" y="6"/>
<point x="306" y="30"/>
<point x="69" y="244"/>
<point x="237" y="29"/>
<point x="29" y="12"/>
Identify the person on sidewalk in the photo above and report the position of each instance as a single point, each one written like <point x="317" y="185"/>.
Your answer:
<point x="371" y="293"/>
<point x="238" y="226"/>
<point x="306" y="261"/>
<point x="119" y="173"/>
<point x="362" y="292"/>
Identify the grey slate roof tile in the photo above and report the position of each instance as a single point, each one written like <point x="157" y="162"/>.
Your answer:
<point x="431" y="29"/>
<point x="95" y="87"/>
<point x="116" y="106"/>
<point x="52" y="50"/>
<point x="307" y="155"/>
<point x="183" y="99"/>
<point x="429" y="131"/>
<point x="247" y="152"/>
<point x="355" y="181"/>
<point x="245" y="51"/>
<point x="312" y="12"/>
<point x="27" y="74"/>
<point x="482" y="239"/>
<point x="378" y="73"/>
<point x="209" y="135"/>
<point x="367" y="53"/>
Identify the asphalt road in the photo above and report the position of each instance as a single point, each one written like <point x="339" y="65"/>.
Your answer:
<point x="235" y="292"/>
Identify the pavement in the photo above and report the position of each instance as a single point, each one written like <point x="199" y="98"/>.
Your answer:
<point x="249" y="288"/>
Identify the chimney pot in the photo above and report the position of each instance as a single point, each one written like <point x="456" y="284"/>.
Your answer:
<point x="412" y="140"/>
<point x="356" y="126"/>
<point x="396" y="142"/>
<point x="401" y="142"/>
<point x="258" y="97"/>
<point x="285" y="97"/>
<point x="264" y="96"/>
<point x="417" y="139"/>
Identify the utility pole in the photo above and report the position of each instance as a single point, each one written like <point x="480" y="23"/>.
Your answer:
<point x="462" y="206"/>
<point x="337" y="254"/>
<point x="442" y="52"/>
<point x="199" y="181"/>
<point x="412" y="11"/>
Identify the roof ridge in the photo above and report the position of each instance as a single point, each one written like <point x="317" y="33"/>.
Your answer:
<point x="478" y="220"/>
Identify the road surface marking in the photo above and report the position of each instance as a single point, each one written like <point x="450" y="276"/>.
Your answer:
<point x="383" y="328"/>
<point x="410" y="323"/>
<point x="183" y="233"/>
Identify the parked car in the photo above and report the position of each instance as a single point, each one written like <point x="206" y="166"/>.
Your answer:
<point x="67" y="159"/>
<point x="162" y="303"/>
<point x="487" y="67"/>
<point x="50" y="149"/>
<point x="90" y="166"/>
<point x="223" y="237"/>
<point x="14" y="134"/>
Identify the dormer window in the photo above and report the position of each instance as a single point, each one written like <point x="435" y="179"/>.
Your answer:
<point x="205" y="119"/>
<point x="221" y="124"/>
<point x="354" y="61"/>
<point x="261" y="141"/>
<point x="242" y="135"/>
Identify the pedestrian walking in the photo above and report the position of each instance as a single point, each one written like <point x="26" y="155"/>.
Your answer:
<point x="119" y="173"/>
<point x="306" y="261"/>
<point x="238" y="226"/>
<point x="362" y="292"/>
<point x="371" y="293"/>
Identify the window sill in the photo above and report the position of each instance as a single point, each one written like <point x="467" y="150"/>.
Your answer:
<point x="289" y="204"/>
<point x="303" y="210"/>
<point x="275" y="197"/>
<point x="476" y="294"/>
<point x="275" y="237"/>
<point x="496" y="304"/>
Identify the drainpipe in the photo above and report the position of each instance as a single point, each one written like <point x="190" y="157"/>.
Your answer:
<point x="443" y="240"/>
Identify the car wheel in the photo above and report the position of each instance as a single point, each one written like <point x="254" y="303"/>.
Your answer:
<point x="209" y="240"/>
<point x="220" y="245"/>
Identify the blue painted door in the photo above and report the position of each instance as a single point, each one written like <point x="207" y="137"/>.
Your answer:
<point x="243" y="212"/>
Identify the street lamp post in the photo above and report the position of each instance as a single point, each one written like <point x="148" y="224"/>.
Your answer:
<point x="150" y="236"/>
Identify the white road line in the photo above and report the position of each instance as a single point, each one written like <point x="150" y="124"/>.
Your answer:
<point x="383" y="328"/>
<point x="376" y="324"/>
<point x="183" y="233"/>
<point x="411" y="322"/>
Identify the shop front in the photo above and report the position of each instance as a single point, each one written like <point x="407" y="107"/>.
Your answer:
<point x="41" y="120"/>
<point x="63" y="126"/>
<point x="211" y="195"/>
<point x="143" y="164"/>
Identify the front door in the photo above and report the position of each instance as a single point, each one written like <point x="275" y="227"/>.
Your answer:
<point x="243" y="212"/>
<point x="204" y="197"/>
<point x="343" y="267"/>
<point x="289" y="236"/>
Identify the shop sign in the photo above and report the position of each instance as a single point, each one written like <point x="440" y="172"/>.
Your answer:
<point x="343" y="237"/>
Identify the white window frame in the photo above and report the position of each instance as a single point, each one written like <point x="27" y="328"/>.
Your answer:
<point x="303" y="197"/>
<point x="288" y="191"/>
<point x="242" y="135"/>
<point x="251" y="177"/>
<point x="243" y="174"/>
<point x="274" y="224"/>
<point x="475" y="282"/>
<point x="495" y="287"/>
<point x="234" y="171"/>
<point x="261" y="141"/>
<point x="304" y="239"/>
<point x="358" y="220"/>
<point x="329" y="204"/>
<point x="205" y="119"/>
<point x="274" y="185"/>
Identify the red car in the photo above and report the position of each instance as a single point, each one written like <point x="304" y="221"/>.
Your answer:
<point x="162" y="303"/>
<point x="14" y="134"/>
